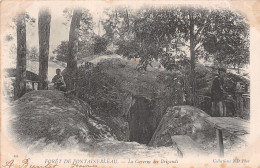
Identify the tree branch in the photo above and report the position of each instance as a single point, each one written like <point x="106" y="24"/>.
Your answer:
<point x="199" y="30"/>
<point x="183" y="44"/>
<point x="197" y="47"/>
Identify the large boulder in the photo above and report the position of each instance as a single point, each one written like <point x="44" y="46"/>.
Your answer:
<point x="119" y="127"/>
<point x="188" y="120"/>
<point x="50" y="117"/>
<point x="182" y="120"/>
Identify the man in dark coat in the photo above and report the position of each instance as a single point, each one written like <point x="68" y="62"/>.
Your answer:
<point x="218" y="94"/>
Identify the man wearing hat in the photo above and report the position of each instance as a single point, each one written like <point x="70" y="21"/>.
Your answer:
<point x="218" y="94"/>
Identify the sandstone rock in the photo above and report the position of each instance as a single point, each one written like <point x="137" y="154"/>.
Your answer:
<point x="118" y="125"/>
<point x="182" y="120"/>
<point x="49" y="117"/>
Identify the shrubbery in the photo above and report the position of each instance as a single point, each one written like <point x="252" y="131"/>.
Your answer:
<point x="85" y="49"/>
<point x="99" y="90"/>
<point x="100" y="44"/>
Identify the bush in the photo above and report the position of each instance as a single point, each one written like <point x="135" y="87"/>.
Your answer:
<point x="61" y="51"/>
<point x="128" y="49"/>
<point x="85" y="49"/>
<point x="100" y="45"/>
<point x="99" y="90"/>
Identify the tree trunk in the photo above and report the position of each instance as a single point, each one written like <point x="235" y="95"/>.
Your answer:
<point x="73" y="47"/>
<point x="192" y="59"/>
<point x="127" y="21"/>
<point x="44" y="38"/>
<point x="20" y="83"/>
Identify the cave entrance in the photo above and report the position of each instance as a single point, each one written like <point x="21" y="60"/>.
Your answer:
<point x="141" y="120"/>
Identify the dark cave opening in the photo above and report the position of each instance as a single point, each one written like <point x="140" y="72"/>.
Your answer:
<point x="141" y="120"/>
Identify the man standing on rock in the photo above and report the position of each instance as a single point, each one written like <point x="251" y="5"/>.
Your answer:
<point x="218" y="94"/>
<point x="58" y="81"/>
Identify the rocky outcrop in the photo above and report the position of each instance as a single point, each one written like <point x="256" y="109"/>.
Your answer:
<point x="118" y="126"/>
<point x="182" y="120"/>
<point x="50" y="117"/>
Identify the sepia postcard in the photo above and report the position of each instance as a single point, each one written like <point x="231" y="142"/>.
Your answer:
<point x="121" y="83"/>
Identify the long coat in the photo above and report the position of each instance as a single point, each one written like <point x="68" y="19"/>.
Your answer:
<point x="217" y="90"/>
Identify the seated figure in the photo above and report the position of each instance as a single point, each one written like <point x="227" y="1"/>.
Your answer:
<point x="58" y="81"/>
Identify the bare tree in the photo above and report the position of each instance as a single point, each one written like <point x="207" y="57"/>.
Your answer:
<point x="20" y="83"/>
<point x="73" y="46"/>
<point x="44" y="21"/>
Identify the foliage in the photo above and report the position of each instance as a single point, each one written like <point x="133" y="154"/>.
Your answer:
<point x="86" y="23"/>
<point x="128" y="49"/>
<point x="105" y="86"/>
<point x="182" y="33"/>
<point x="118" y="25"/>
<point x="110" y="25"/>
<point x="227" y="38"/>
<point x="32" y="53"/>
<point x="173" y="29"/>
<point x="100" y="44"/>
<point x="85" y="36"/>
<point x="61" y="51"/>
<point x="11" y="37"/>
<point x="85" y="49"/>
<point x="28" y="19"/>
<point x="99" y="90"/>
